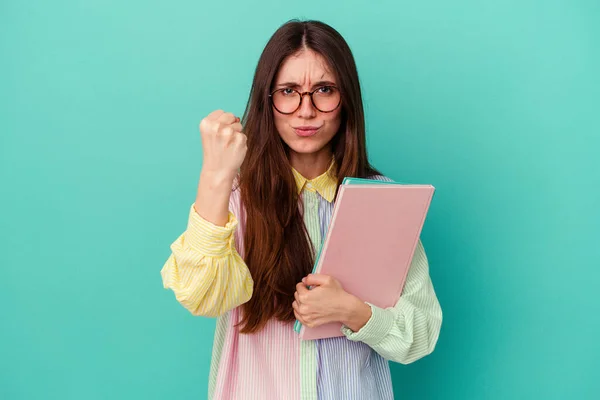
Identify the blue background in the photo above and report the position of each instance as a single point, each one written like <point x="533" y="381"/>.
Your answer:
<point x="496" y="103"/>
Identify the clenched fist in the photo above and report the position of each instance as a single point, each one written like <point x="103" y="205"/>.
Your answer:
<point x="223" y="143"/>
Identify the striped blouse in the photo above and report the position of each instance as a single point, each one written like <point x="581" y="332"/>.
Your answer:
<point x="209" y="278"/>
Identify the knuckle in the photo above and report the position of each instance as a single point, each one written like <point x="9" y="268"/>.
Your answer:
<point x="213" y="126"/>
<point x="213" y="115"/>
<point x="203" y="124"/>
<point x="217" y="126"/>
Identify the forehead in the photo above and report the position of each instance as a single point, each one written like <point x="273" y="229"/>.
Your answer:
<point x="305" y="66"/>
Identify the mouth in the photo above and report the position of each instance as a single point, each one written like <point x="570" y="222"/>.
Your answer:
<point x="306" y="131"/>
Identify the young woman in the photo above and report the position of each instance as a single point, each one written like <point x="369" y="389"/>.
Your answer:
<point x="265" y="197"/>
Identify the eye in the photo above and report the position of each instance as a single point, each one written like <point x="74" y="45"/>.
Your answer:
<point x="326" y="90"/>
<point x="287" y="91"/>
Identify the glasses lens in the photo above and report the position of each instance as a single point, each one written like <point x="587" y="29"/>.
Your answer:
<point x="326" y="98"/>
<point x="286" y="100"/>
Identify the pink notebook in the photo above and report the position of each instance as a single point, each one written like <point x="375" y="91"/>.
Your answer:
<point x="370" y="243"/>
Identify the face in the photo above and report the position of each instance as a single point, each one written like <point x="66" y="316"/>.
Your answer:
<point x="307" y="131"/>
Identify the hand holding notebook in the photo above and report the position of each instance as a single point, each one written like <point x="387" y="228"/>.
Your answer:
<point x="374" y="230"/>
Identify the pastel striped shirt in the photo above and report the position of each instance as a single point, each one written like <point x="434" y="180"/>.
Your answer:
<point x="207" y="273"/>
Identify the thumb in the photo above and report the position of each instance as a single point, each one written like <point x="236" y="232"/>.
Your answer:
<point x="316" y="280"/>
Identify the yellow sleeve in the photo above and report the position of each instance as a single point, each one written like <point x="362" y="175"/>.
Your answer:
<point x="205" y="271"/>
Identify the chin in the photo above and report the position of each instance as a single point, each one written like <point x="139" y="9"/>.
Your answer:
<point x="304" y="146"/>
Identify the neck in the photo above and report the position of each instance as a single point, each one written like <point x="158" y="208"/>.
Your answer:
<point x="313" y="164"/>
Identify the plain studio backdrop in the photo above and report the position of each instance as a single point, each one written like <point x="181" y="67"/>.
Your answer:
<point x="495" y="103"/>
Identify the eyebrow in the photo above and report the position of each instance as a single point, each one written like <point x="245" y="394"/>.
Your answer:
<point x="294" y="85"/>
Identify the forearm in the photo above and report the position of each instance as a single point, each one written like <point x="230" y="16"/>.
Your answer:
<point x="212" y="199"/>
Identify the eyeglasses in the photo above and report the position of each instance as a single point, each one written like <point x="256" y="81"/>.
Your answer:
<point x="287" y="100"/>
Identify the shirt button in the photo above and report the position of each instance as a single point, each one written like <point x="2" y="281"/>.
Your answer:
<point x="309" y="185"/>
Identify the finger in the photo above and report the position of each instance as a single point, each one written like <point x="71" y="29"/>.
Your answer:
<point x="227" y="118"/>
<point x="301" y="289"/>
<point x="215" y="114"/>
<point x="241" y="139"/>
<point x="307" y="322"/>
<point x="316" y="280"/>
<point x="299" y="317"/>
<point x="295" y="305"/>
<point x="227" y="134"/>
<point x="296" y="296"/>
<point x="237" y="127"/>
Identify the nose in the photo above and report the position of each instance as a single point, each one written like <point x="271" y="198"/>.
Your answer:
<point x="307" y="110"/>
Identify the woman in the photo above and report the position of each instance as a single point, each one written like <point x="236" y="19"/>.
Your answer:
<point x="265" y="197"/>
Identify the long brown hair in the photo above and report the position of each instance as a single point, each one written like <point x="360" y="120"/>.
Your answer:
<point x="278" y="251"/>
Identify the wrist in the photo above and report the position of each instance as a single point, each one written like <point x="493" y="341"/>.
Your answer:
<point x="213" y="196"/>
<point x="357" y="314"/>
<point x="216" y="179"/>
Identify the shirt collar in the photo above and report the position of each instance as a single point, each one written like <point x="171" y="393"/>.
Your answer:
<point x="325" y="184"/>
